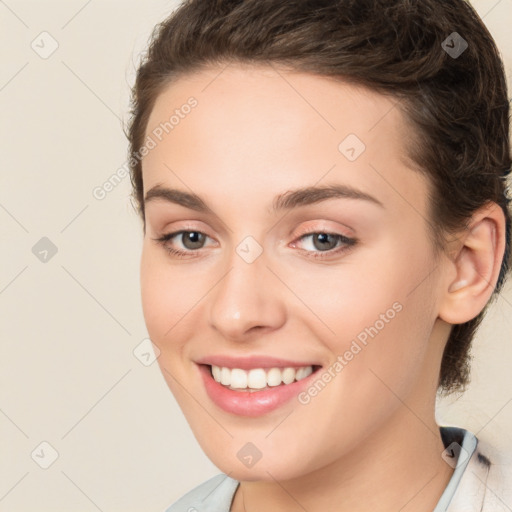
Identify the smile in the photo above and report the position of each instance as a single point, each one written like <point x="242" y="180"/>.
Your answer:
<point x="258" y="378"/>
<point x="254" y="386"/>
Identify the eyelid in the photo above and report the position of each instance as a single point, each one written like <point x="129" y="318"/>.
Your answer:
<point x="294" y="234"/>
<point x="315" y="228"/>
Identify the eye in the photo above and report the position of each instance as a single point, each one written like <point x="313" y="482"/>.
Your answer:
<point x="323" y="244"/>
<point x="191" y="241"/>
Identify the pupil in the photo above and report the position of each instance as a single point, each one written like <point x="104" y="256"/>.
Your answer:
<point x="194" y="238"/>
<point x="323" y="237"/>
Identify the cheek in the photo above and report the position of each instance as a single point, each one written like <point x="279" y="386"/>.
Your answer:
<point x="153" y="304"/>
<point x="379" y="312"/>
<point x="164" y="304"/>
<point x="172" y="297"/>
<point x="355" y="295"/>
<point x="164" y="297"/>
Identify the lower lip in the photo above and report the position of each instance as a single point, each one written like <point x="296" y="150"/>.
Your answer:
<point x="251" y="403"/>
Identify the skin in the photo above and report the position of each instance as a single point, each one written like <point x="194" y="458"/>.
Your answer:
<point x="369" y="439"/>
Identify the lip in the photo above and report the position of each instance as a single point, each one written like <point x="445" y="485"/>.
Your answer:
<point x="252" y="403"/>
<point x="248" y="363"/>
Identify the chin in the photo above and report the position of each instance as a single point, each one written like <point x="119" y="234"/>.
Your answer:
<point x="230" y="461"/>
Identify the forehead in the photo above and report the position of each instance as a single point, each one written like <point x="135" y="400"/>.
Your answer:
<point x="261" y="127"/>
<point x="247" y="93"/>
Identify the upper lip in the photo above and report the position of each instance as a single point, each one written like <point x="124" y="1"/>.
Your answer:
<point x="251" y="362"/>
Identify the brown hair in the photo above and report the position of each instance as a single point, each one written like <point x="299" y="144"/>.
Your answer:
<point x="456" y="103"/>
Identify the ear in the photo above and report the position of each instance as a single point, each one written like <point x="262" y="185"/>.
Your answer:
<point x="474" y="266"/>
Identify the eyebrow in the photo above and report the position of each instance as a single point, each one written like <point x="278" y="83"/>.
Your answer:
<point x="286" y="201"/>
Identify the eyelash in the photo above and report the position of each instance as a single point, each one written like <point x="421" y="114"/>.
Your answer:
<point x="348" y="243"/>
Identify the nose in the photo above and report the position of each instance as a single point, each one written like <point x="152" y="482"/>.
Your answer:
<point x="247" y="300"/>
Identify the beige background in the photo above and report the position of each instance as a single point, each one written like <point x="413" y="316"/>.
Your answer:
<point x="69" y="326"/>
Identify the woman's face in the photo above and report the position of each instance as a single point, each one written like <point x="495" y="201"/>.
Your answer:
<point x="274" y="283"/>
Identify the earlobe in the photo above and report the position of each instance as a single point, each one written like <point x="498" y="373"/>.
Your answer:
<point x="475" y="268"/>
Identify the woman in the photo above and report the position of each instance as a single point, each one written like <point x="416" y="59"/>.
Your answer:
<point x="322" y="189"/>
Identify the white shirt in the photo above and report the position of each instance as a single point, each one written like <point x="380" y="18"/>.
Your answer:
<point x="481" y="482"/>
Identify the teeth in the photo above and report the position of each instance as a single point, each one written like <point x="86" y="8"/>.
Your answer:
<point x="258" y="378"/>
<point x="289" y="375"/>
<point x="217" y="372"/>
<point x="239" y="378"/>
<point x="302" y="373"/>
<point x="275" y="377"/>
<point x="225" y="376"/>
